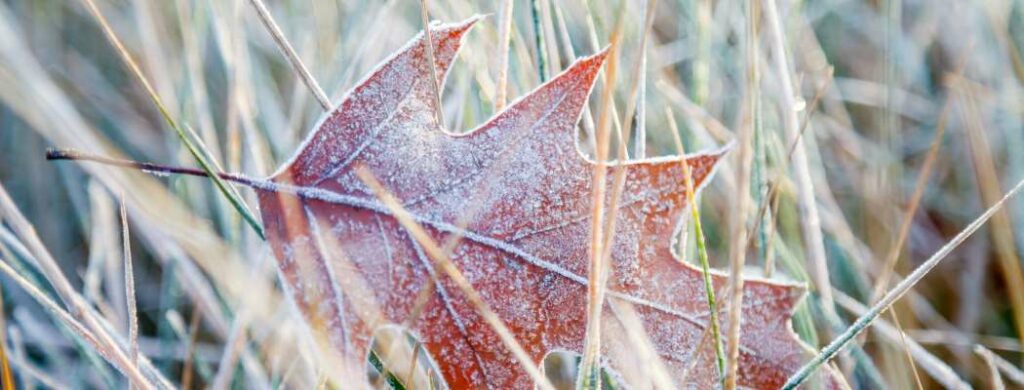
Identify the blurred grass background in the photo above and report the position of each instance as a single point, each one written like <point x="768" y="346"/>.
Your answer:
<point x="876" y="80"/>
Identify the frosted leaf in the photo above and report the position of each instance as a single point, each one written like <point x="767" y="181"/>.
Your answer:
<point x="517" y="193"/>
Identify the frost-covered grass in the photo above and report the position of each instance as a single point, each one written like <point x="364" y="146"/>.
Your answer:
<point x="910" y="116"/>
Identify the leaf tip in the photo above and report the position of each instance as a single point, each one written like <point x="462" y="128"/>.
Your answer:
<point x="456" y="30"/>
<point x="597" y="59"/>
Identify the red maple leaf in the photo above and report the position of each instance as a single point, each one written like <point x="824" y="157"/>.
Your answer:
<point x="518" y="193"/>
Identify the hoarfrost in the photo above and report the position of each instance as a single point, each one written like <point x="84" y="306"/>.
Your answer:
<point x="514" y="195"/>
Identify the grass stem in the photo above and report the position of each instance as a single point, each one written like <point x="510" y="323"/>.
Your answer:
<point x="129" y="286"/>
<point x="702" y="255"/>
<point x="428" y="38"/>
<point x="290" y="54"/>
<point x="538" y="35"/>
<point x="897" y="292"/>
<point x="504" y="35"/>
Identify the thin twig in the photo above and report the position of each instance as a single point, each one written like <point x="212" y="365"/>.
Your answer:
<point x="897" y="292"/>
<point x="75" y="155"/>
<point x="289" y="54"/>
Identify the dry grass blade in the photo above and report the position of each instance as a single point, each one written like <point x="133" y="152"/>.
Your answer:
<point x="1008" y="370"/>
<point x="995" y="379"/>
<point x="436" y="253"/>
<point x="637" y="77"/>
<point x="289" y="54"/>
<point x="6" y="378"/>
<point x="538" y="34"/>
<point x="246" y="81"/>
<point x="915" y="198"/>
<point x="550" y="41"/>
<point x="504" y="35"/>
<point x="738" y="246"/>
<point x="940" y="371"/>
<point x="771" y="196"/>
<point x="715" y="128"/>
<point x="588" y="117"/>
<point x="589" y="370"/>
<point x="434" y="81"/>
<point x="810" y="221"/>
<point x="897" y="292"/>
<point x="114" y="356"/>
<point x="702" y="254"/>
<point x="989" y="188"/>
<point x="906" y="348"/>
<point x="651" y="365"/>
<point x="129" y="289"/>
<point x="26" y="371"/>
<point x="77" y="309"/>
<point x="193" y="336"/>
<point x="229" y="357"/>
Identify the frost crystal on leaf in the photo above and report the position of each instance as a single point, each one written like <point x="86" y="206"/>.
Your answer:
<point x="517" y="194"/>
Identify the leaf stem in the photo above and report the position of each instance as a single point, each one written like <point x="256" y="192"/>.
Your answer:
<point x="75" y="155"/>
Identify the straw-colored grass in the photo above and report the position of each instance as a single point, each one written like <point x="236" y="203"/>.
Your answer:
<point x="875" y="139"/>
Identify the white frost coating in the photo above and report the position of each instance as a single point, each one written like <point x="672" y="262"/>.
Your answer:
<point x="515" y="191"/>
<point x="415" y="41"/>
<point x="443" y="293"/>
<point x="339" y="298"/>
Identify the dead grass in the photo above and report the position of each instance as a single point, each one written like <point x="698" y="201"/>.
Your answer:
<point x="904" y="148"/>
